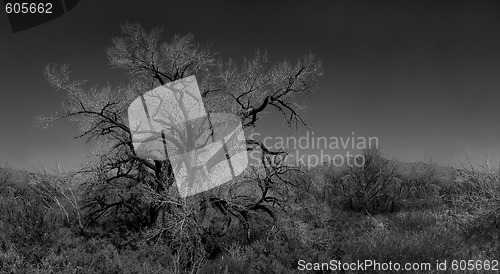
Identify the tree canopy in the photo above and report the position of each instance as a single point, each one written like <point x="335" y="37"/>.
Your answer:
<point x="139" y="191"/>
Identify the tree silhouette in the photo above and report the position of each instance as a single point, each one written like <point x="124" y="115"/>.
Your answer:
<point x="118" y="183"/>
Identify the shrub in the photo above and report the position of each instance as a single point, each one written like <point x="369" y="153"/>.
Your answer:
<point x="368" y="187"/>
<point x="479" y="192"/>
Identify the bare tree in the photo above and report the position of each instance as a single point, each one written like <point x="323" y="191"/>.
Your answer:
<point x="120" y="181"/>
<point x="57" y="188"/>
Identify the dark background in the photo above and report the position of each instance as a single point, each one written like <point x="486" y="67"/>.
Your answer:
<point x="422" y="76"/>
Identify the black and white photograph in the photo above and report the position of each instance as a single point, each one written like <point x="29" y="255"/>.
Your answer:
<point x="200" y="137"/>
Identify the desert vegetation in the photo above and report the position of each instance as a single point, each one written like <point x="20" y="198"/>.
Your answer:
<point x="121" y="213"/>
<point x="318" y="221"/>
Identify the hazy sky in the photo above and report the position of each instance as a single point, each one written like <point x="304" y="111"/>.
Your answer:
<point x="422" y="76"/>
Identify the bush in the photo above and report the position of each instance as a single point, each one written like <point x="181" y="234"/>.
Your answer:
<point x="369" y="188"/>
<point x="28" y="224"/>
<point x="479" y="193"/>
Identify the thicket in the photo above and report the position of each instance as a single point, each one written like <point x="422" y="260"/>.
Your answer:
<point x="317" y="223"/>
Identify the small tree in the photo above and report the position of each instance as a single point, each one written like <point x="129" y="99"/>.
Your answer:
<point x="370" y="182"/>
<point x="58" y="189"/>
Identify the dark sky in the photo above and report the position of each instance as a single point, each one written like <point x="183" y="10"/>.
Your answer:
<point x="422" y="76"/>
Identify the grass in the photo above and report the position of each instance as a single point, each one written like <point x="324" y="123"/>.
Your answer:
<point x="315" y="228"/>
